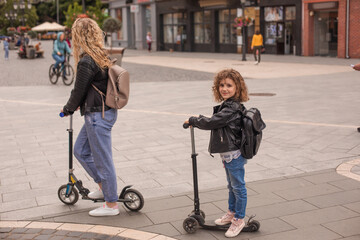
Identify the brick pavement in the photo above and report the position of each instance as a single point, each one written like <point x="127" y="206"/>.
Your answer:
<point x="311" y="127"/>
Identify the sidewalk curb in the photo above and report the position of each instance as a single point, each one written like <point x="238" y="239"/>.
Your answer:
<point x="99" y="229"/>
<point x="345" y="169"/>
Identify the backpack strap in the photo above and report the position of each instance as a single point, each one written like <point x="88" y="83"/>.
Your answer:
<point x="102" y="99"/>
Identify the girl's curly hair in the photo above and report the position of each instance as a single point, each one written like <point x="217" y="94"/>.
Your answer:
<point x="241" y="93"/>
<point x="87" y="37"/>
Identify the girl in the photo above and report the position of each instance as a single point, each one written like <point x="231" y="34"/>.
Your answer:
<point x="229" y="87"/>
<point x="93" y="144"/>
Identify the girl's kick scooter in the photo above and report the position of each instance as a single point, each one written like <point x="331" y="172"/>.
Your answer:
<point x="69" y="193"/>
<point x="196" y="218"/>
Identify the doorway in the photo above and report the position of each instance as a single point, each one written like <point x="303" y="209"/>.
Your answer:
<point x="289" y="38"/>
<point x="325" y="33"/>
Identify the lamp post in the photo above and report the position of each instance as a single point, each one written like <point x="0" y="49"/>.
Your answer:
<point x="22" y="6"/>
<point x="243" y="30"/>
<point x="11" y="16"/>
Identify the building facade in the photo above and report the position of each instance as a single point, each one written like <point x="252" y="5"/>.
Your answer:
<point x="138" y="17"/>
<point x="296" y="27"/>
<point x="331" y="28"/>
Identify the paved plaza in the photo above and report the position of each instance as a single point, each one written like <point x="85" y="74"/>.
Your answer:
<point x="310" y="106"/>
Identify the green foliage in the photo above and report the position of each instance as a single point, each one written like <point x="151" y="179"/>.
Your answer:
<point x="72" y="13"/>
<point x="111" y="25"/>
<point x="97" y="12"/>
<point x="32" y="34"/>
<point x="8" y="7"/>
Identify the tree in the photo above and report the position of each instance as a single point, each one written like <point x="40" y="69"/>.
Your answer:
<point x="111" y="25"/>
<point x="72" y="13"/>
<point x="97" y="12"/>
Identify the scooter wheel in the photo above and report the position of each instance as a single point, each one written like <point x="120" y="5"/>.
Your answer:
<point x="201" y="213"/>
<point x="71" y="199"/>
<point x="137" y="200"/>
<point x="254" y="225"/>
<point x="190" y="225"/>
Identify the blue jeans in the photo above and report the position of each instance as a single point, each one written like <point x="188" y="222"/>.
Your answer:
<point x="93" y="150"/>
<point x="58" y="59"/>
<point x="235" y="173"/>
<point x="6" y="52"/>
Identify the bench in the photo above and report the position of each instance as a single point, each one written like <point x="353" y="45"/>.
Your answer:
<point x="39" y="53"/>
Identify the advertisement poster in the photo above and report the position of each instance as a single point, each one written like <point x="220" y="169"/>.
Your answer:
<point x="273" y="14"/>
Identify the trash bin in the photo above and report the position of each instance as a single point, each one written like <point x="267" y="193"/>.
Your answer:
<point x="30" y="52"/>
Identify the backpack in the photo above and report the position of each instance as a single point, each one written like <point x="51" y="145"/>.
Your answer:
<point x="251" y="126"/>
<point x="118" y="87"/>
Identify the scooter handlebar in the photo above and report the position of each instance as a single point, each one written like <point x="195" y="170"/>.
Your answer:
<point x="186" y="125"/>
<point x="62" y="114"/>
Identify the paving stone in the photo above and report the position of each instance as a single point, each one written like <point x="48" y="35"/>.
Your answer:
<point x="346" y="228"/>
<point x="347" y="184"/>
<point x="165" y="229"/>
<point x="318" y="217"/>
<point x="281" y="209"/>
<point x="166" y="203"/>
<point x="280" y="185"/>
<point x="309" y="191"/>
<point x="29" y="236"/>
<point x="43" y="237"/>
<point x="6" y="230"/>
<point x="334" y="199"/>
<point x="324" y="177"/>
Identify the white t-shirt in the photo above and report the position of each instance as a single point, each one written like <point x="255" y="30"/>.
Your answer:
<point x="228" y="156"/>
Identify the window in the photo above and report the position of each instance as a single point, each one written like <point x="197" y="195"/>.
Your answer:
<point x="270" y="33"/>
<point x="202" y="27"/>
<point x="148" y="18"/>
<point x="227" y="32"/>
<point x="273" y="14"/>
<point x="290" y="13"/>
<point x="174" y="23"/>
<point x="119" y="16"/>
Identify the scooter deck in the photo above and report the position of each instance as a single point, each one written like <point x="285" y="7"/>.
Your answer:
<point x="209" y="226"/>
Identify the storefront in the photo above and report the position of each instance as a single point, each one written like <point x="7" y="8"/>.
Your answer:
<point x="199" y="26"/>
<point x="137" y="18"/>
<point x="328" y="30"/>
<point x="280" y="22"/>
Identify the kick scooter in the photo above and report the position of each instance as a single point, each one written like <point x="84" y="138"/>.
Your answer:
<point x="69" y="193"/>
<point x="196" y="218"/>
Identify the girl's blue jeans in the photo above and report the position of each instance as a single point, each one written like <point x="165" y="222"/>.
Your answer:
<point x="6" y="52"/>
<point x="93" y="150"/>
<point x="235" y="174"/>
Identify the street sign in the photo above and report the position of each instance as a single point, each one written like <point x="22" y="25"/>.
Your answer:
<point x="134" y="8"/>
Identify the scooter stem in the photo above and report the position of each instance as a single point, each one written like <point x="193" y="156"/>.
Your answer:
<point x="70" y="130"/>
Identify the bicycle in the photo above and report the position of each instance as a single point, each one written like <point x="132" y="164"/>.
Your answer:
<point x="65" y="70"/>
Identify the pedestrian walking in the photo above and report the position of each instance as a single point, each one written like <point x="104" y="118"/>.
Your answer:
<point x="229" y="88"/>
<point x="93" y="145"/>
<point x="257" y="45"/>
<point x="357" y="68"/>
<point x="6" y="49"/>
<point x="149" y="41"/>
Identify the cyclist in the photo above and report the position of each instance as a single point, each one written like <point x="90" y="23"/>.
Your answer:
<point x="60" y="48"/>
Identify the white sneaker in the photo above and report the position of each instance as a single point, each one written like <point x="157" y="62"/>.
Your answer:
<point x="98" y="194"/>
<point x="256" y="62"/>
<point x="235" y="228"/>
<point x="104" y="211"/>
<point x="226" y="219"/>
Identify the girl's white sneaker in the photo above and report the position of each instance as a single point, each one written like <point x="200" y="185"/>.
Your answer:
<point x="235" y="228"/>
<point x="104" y="211"/>
<point x="226" y="219"/>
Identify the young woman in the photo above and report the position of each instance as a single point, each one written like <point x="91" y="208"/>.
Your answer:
<point x="93" y="144"/>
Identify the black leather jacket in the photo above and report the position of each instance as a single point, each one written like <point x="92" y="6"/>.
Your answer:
<point x="83" y="94"/>
<point x="225" y="126"/>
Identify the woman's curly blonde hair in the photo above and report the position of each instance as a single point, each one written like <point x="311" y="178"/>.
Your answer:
<point x="241" y="94"/>
<point x="87" y="37"/>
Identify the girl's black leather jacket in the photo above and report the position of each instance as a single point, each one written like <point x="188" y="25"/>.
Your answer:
<point x="83" y="94"/>
<point x="225" y="126"/>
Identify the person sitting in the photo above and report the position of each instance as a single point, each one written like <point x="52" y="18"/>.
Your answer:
<point x="37" y="46"/>
<point x="22" y="51"/>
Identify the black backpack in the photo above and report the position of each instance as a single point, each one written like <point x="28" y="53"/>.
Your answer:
<point x="251" y="126"/>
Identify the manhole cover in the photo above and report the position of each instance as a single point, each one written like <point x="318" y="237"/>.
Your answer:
<point x="262" y="94"/>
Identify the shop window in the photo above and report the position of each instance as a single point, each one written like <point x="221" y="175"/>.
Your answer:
<point x="202" y="27"/>
<point x="227" y="32"/>
<point x="290" y="13"/>
<point x="273" y="14"/>
<point x="148" y="18"/>
<point x="119" y="16"/>
<point x="174" y="25"/>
